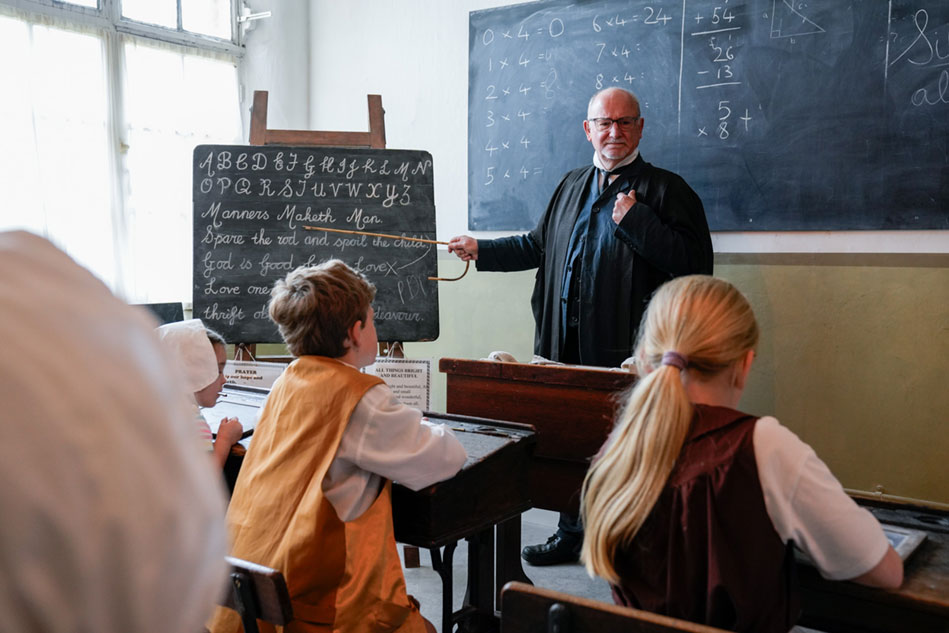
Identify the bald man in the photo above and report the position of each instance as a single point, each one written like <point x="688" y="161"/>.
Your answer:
<point x="613" y="232"/>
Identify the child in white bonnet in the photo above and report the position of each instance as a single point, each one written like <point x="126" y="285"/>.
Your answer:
<point x="200" y="354"/>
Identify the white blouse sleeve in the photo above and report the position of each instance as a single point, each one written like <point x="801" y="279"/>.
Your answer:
<point x="387" y="439"/>
<point x="808" y="506"/>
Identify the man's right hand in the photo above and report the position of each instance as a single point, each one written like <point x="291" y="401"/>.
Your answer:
<point x="465" y="247"/>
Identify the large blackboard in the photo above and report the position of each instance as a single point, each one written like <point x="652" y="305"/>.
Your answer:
<point x="781" y="114"/>
<point x="251" y="204"/>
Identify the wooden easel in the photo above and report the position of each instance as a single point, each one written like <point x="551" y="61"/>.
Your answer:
<point x="260" y="135"/>
<point x="375" y="138"/>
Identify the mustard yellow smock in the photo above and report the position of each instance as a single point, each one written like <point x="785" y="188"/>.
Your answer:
<point x="342" y="577"/>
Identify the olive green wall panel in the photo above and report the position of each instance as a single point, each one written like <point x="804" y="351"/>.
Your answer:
<point x="854" y="354"/>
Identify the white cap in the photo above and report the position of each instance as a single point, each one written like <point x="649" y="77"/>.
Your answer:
<point x="191" y="351"/>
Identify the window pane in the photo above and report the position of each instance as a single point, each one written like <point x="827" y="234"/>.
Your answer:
<point x="175" y="102"/>
<point x="85" y="3"/>
<point x="208" y="17"/>
<point x="56" y="167"/>
<point x="19" y="207"/>
<point x="160" y="12"/>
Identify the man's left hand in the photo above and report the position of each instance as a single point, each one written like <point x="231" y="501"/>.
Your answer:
<point x="624" y="202"/>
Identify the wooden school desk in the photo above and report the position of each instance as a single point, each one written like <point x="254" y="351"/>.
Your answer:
<point x="489" y="492"/>
<point x="572" y="411"/>
<point x="920" y="605"/>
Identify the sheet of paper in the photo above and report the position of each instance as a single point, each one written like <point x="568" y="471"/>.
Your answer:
<point x="409" y="379"/>
<point x="252" y="373"/>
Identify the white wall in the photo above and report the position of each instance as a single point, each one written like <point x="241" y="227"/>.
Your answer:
<point x="278" y="61"/>
<point x="415" y="54"/>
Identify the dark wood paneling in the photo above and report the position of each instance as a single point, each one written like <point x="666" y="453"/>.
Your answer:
<point x="572" y="409"/>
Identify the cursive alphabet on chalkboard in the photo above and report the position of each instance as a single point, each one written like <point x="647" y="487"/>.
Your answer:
<point x="250" y="208"/>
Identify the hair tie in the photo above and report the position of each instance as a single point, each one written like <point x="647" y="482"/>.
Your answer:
<point x="675" y="359"/>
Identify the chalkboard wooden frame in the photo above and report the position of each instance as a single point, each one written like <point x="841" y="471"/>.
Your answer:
<point x="781" y="115"/>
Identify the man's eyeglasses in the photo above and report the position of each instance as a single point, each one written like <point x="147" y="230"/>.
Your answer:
<point x="603" y="124"/>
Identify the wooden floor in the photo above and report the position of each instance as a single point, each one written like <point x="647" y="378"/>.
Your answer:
<point x="537" y="525"/>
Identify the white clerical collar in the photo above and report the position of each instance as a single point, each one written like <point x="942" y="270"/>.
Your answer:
<point x="626" y="161"/>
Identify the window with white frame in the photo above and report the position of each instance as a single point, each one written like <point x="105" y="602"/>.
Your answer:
<point x="104" y="102"/>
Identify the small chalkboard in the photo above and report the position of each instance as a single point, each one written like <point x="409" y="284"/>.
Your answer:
<point x="165" y="312"/>
<point x="781" y="114"/>
<point x="252" y="202"/>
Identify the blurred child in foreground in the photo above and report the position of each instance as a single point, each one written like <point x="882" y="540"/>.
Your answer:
<point x="112" y="521"/>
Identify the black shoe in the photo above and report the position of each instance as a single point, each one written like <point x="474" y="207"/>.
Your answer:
<point x="558" y="549"/>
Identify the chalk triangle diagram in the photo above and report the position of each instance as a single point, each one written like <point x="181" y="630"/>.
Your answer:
<point x="786" y="21"/>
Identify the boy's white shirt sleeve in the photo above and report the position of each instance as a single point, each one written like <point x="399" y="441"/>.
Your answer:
<point x="808" y="505"/>
<point x="386" y="439"/>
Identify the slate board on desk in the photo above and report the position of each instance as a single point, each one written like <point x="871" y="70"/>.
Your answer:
<point x="781" y="114"/>
<point x="251" y="202"/>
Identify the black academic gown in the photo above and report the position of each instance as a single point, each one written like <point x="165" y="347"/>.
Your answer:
<point x="664" y="235"/>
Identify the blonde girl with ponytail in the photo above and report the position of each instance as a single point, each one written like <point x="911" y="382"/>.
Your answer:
<point x="692" y="506"/>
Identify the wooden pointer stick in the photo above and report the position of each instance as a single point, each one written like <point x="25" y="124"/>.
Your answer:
<point x="393" y="237"/>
